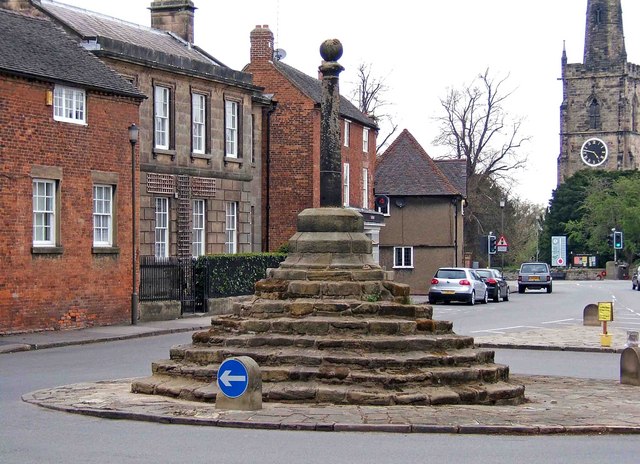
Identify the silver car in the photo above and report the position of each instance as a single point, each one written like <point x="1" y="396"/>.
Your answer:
<point x="457" y="284"/>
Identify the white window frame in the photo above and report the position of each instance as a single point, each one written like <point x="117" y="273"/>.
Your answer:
<point x="365" y="188"/>
<point x="198" y="119"/>
<point x="69" y="105"/>
<point x="345" y="184"/>
<point x="231" y="227"/>
<point x="347" y="132"/>
<point x="161" y="103"/>
<point x="365" y="139"/>
<point x="44" y="212"/>
<point x="162" y="228"/>
<point x="403" y="261"/>
<point x="386" y="211"/>
<point x="231" y="109"/>
<point x="102" y="215"/>
<point x="198" y="225"/>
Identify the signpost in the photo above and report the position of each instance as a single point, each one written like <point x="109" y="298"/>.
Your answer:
<point x="559" y="251"/>
<point x="605" y="314"/>
<point x="232" y="378"/>
<point x="502" y="246"/>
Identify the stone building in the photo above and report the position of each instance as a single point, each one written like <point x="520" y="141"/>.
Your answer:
<point x="291" y="164"/>
<point x="65" y="181"/>
<point x="599" y="126"/>
<point x="200" y="130"/>
<point x="423" y="208"/>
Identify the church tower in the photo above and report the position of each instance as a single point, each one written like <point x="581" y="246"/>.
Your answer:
<point x="599" y="111"/>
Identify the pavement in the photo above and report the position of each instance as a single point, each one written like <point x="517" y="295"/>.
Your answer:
<point x="555" y="405"/>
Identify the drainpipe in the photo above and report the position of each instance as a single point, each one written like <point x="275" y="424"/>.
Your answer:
<point x="271" y="109"/>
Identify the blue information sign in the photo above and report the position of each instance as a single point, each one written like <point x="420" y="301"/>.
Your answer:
<point x="232" y="378"/>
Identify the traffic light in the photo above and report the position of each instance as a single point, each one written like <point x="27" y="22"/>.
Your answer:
<point x="610" y="239"/>
<point x="492" y="244"/>
<point x="618" y="240"/>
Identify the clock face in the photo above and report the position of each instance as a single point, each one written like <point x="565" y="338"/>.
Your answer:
<point x="594" y="152"/>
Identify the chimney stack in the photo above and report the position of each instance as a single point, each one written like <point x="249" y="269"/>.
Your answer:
<point x="173" y="16"/>
<point x="261" y="44"/>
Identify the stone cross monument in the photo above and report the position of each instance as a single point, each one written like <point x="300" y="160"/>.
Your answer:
<point x="330" y="159"/>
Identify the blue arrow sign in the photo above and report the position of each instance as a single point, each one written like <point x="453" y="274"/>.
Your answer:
<point x="232" y="378"/>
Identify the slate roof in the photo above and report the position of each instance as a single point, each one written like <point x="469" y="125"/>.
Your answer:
<point x="313" y="89"/>
<point x="405" y="169"/>
<point x="37" y="48"/>
<point x="456" y="172"/>
<point x="114" y="37"/>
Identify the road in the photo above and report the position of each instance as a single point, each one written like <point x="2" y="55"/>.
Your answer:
<point x="29" y="434"/>
<point x="537" y="309"/>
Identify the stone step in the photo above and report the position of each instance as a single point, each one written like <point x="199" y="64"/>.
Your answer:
<point x="325" y="325"/>
<point x="499" y="393"/>
<point x="304" y="307"/>
<point x="276" y="356"/>
<point x="383" y="377"/>
<point x="362" y="343"/>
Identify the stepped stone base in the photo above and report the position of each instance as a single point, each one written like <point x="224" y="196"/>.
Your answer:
<point x="330" y="326"/>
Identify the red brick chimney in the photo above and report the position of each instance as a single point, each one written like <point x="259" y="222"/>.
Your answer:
<point x="261" y="45"/>
<point x="173" y="16"/>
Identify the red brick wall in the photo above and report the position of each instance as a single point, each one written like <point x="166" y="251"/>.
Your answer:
<point x="76" y="288"/>
<point x="294" y="171"/>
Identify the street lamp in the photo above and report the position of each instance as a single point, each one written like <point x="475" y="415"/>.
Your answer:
<point x="133" y="139"/>
<point x="502" y="205"/>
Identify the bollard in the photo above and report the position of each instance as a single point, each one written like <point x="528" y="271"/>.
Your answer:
<point x="590" y="315"/>
<point x="630" y="366"/>
<point x="240" y="384"/>
<point x="632" y="338"/>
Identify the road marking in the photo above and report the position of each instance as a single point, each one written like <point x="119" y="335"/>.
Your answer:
<point x="500" y="330"/>
<point x="559" y="321"/>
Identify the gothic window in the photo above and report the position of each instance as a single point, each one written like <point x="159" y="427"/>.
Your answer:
<point x="634" y="114"/>
<point x="594" y="115"/>
<point x="598" y="16"/>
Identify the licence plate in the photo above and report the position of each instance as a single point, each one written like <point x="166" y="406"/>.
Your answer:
<point x="448" y="292"/>
<point x="534" y="278"/>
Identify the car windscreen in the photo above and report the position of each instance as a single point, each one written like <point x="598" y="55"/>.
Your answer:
<point x="451" y="274"/>
<point x="486" y="274"/>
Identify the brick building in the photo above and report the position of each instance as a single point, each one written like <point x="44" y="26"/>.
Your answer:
<point x="65" y="181"/>
<point x="599" y="115"/>
<point x="291" y="164"/>
<point x="424" y="225"/>
<point x="200" y="130"/>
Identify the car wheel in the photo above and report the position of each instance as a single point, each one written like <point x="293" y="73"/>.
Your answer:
<point x="506" y="295"/>
<point x="472" y="299"/>
<point x="521" y="289"/>
<point x="496" y="297"/>
<point x="432" y="300"/>
<point x="549" y="289"/>
<point x="485" y="300"/>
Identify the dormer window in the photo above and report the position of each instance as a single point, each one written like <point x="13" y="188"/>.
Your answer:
<point x="69" y="105"/>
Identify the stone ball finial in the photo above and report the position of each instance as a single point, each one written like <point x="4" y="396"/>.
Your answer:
<point x="331" y="50"/>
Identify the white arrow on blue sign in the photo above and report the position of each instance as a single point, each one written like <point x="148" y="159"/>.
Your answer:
<point x="232" y="378"/>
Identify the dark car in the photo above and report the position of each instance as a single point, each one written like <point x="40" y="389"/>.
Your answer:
<point x="497" y="287"/>
<point x="534" y="276"/>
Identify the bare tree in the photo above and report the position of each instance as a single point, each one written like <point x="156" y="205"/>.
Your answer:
<point x="369" y="92"/>
<point x="475" y="126"/>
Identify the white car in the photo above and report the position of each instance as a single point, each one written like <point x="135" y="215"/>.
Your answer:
<point x="457" y="284"/>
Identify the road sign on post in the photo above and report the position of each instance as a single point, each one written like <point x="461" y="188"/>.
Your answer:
<point x="502" y="246"/>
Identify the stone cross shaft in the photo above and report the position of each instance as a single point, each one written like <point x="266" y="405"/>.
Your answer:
<point x="330" y="156"/>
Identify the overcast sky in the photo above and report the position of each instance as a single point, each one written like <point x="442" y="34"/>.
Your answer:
<point x="421" y="49"/>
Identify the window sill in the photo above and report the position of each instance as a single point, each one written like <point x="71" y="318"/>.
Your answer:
<point x="162" y="151"/>
<point x="403" y="267"/>
<point x="229" y="159"/>
<point x="40" y="250"/>
<point x="203" y="156"/>
<point x="105" y="250"/>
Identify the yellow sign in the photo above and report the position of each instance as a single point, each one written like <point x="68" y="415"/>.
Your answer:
<point x="605" y="311"/>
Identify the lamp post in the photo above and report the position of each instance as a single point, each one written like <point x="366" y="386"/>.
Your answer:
<point x="502" y="205"/>
<point x="133" y="139"/>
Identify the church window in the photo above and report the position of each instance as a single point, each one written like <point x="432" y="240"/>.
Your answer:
<point x="634" y="114"/>
<point x="594" y="114"/>
<point x="598" y="16"/>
